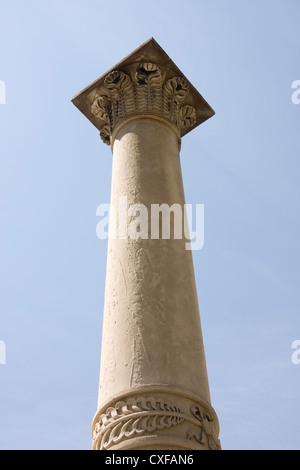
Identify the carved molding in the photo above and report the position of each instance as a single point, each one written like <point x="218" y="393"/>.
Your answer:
<point x="153" y="416"/>
<point x="144" y="92"/>
<point x="134" y="417"/>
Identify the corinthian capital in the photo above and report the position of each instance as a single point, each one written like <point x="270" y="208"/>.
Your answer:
<point x="146" y="83"/>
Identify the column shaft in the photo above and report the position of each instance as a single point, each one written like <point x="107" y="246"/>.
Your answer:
<point x="152" y="337"/>
<point x="153" y="391"/>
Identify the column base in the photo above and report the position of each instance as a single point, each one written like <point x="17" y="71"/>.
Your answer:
<point x="156" y="418"/>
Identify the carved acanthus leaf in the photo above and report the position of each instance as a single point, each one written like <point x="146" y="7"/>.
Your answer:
<point x="101" y="106"/>
<point x="105" y="134"/>
<point x="187" y="116"/>
<point x="116" y="82"/>
<point x="177" y="87"/>
<point x="148" y="73"/>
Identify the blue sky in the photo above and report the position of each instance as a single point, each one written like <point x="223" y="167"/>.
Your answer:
<point x="242" y="164"/>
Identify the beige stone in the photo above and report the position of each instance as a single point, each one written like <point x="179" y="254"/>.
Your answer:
<point x="153" y="391"/>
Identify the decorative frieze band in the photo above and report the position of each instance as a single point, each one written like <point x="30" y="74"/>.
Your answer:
<point x="144" y="92"/>
<point x="134" y="417"/>
<point x="153" y="416"/>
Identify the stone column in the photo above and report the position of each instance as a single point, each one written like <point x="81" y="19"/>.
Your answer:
<point x="153" y="391"/>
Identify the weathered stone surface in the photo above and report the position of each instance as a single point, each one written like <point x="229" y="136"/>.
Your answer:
<point x="153" y="391"/>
